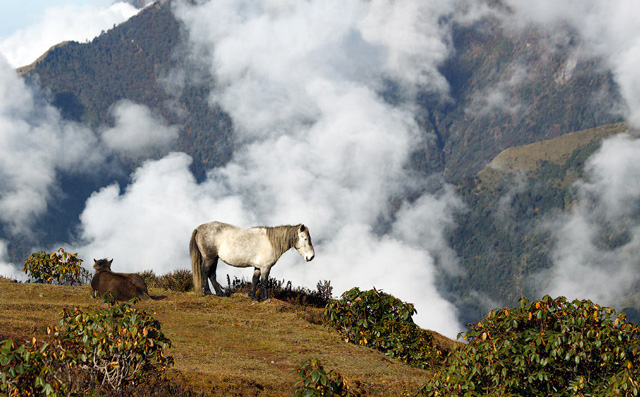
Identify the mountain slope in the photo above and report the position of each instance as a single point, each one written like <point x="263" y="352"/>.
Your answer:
<point x="507" y="88"/>
<point x="502" y="240"/>
<point x="225" y="346"/>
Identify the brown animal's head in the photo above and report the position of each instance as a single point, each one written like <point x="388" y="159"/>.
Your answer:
<point x="102" y="264"/>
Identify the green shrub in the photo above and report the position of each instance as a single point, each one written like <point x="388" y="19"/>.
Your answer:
<point x="29" y="369"/>
<point x="383" y="322"/>
<point x="549" y="347"/>
<point x="317" y="382"/>
<point x="116" y="346"/>
<point x="178" y="280"/>
<point x="59" y="267"/>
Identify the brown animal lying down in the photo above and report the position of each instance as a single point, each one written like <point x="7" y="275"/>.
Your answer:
<point x="123" y="286"/>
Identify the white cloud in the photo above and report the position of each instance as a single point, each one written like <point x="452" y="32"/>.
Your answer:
<point x="415" y="38"/>
<point x="315" y="143"/>
<point x="35" y="143"/>
<point x="62" y="23"/>
<point x="148" y="225"/>
<point x="137" y="131"/>
<point x="586" y="264"/>
<point x="7" y="269"/>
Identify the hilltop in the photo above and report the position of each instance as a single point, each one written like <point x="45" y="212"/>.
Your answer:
<point x="226" y="346"/>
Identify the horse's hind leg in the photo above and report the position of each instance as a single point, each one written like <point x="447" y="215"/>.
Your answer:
<point x="254" y="283"/>
<point x="209" y="274"/>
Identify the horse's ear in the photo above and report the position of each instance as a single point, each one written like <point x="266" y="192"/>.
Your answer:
<point x="302" y="228"/>
<point x="111" y="261"/>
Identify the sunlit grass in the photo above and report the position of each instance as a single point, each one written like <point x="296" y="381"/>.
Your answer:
<point x="225" y="346"/>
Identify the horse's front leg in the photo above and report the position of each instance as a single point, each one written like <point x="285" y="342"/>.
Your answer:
<point x="264" y="278"/>
<point x="254" y="283"/>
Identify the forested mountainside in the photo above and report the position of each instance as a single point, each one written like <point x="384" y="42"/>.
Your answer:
<point x="504" y="240"/>
<point x="508" y="88"/>
<point x="542" y="93"/>
<point x="133" y="61"/>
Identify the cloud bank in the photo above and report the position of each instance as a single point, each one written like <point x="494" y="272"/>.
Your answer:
<point x="62" y="23"/>
<point x="315" y="144"/>
<point x="37" y="145"/>
<point x="137" y="131"/>
<point x="598" y="242"/>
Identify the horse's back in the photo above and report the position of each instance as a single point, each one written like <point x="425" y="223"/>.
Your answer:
<point x="235" y="245"/>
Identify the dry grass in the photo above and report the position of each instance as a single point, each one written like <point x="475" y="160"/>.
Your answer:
<point x="529" y="157"/>
<point x="226" y="346"/>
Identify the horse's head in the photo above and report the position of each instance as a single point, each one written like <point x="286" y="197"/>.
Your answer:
<point x="102" y="264"/>
<point x="303" y="243"/>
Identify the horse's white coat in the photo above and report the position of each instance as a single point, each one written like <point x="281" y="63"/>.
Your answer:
<point x="236" y="246"/>
<point x="242" y="247"/>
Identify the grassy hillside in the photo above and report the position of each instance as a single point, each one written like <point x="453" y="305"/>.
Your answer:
<point x="226" y="346"/>
<point x="558" y="151"/>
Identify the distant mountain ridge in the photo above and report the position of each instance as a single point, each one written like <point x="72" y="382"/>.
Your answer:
<point x="461" y="135"/>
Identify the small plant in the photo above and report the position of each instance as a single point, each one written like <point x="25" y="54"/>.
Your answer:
<point x="119" y="345"/>
<point x="178" y="280"/>
<point x="317" y="382"/>
<point x="549" y="347"/>
<point x="383" y="322"/>
<point x="29" y="369"/>
<point x="285" y="291"/>
<point x="60" y="268"/>
<point x="114" y="347"/>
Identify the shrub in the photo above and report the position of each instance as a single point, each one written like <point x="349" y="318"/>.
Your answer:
<point x="317" y="382"/>
<point x="383" y="322"/>
<point x="59" y="267"/>
<point x="114" y="347"/>
<point x="118" y="345"/>
<point x="29" y="369"/>
<point x="179" y="280"/>
<point x="549" y="347"/>
<point x="285" y="291"/>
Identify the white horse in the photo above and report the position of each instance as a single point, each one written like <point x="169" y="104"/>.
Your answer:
<point x="258" y="247"/>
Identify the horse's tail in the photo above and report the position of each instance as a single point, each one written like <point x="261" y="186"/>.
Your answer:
<point x="196" y="264"/>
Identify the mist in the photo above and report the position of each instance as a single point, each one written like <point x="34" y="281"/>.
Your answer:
<point x="315" y="143"/>
<point x="62" y="23"/>
<point x="596" y="242"/>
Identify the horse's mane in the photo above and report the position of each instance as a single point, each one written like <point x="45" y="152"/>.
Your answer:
<point x="282" y="237"/>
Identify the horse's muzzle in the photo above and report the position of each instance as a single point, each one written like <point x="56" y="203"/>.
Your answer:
<point x="309" y="258"/>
